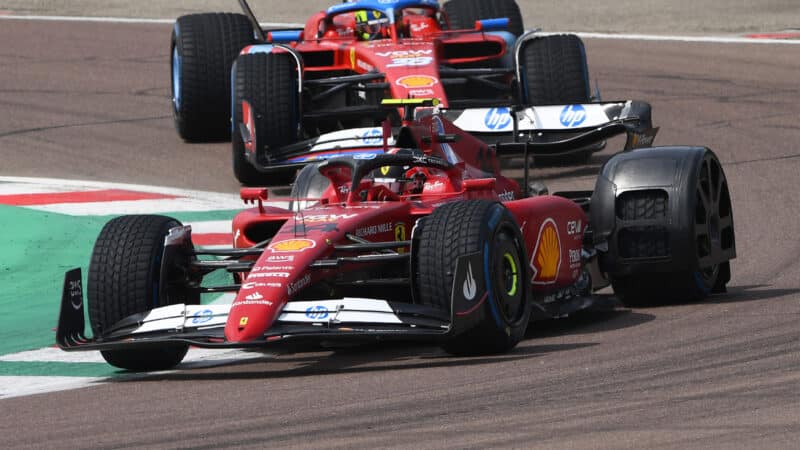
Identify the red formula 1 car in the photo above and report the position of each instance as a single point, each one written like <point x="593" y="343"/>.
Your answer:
<point x="426" y="240"/>
<point x="290" y="88"/>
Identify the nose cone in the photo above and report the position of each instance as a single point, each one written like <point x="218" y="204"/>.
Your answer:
<point x="247" y="322"/>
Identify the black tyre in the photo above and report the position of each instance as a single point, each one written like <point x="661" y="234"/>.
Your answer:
<point x="124" y="279"/>
<point x="465" y="229"/>
<point x="203" y="49"/>
<point x="268" y="82"/>
<point x="462" y="14"/>
<point x="553" y="71"/>
<point x="651" y="224"/>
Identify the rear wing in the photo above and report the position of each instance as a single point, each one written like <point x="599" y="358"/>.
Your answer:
<point x="512" y="129"/>
<point x="559" y="129"/>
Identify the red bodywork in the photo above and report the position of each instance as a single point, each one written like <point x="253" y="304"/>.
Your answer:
<point x="409" y="56"/>
<point x="379" y="211"/>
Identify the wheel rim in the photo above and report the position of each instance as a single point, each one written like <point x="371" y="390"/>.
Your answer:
<point x="505" y="275"/>
<point x="713" y="219"/>
<point x="177" y="65"/>
<point x="509" y="274"/>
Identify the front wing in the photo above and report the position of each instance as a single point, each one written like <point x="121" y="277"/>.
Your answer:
<point x="346" y="319"/>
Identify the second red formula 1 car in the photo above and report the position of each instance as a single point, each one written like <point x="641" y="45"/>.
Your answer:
<point x="425" y="240"/>
<point x="287" y="87"/>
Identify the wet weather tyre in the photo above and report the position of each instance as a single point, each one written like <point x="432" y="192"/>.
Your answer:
<point x="462" y="14"/>
<point x="268" y="83"/>
<point x="124" y="279"/>
<point x="702" y="205"/>
<point x="498" y="319"/>
<point x="202" y="51"/>
<point x="554" y="71"/>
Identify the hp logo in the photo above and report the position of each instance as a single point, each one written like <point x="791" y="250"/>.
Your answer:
<point x="317" y="312"/>
<point x="202" y="316"/>
<point x="497" y="119"/>
<point x="573" y="115"/>
<point x="372" y="137"/>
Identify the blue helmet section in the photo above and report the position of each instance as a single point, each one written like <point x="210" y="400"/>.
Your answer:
<point x="385" y="6"/>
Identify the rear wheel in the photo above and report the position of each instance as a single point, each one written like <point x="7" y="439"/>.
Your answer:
<point x="495" y="310"/>
<point x="463" y="14"/>
<point x="650" y="223"/>
<point x="125" y="279"/>
<point x="267" y="82"/>
<point x="203" y="49"/>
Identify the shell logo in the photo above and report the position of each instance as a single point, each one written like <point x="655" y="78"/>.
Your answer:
<point x="292" y="245"/>
<point x="416" y="81"/>
<point x="546" y="259"/>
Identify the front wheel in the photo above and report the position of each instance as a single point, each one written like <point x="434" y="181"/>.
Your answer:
<point x="125" y="279"/>
<point x="202" y="51"/>
<point x="463" y="14"/>
<point x="469" y="260"/>
<point x="553" y="71"/>
<point x="265" y="113"/>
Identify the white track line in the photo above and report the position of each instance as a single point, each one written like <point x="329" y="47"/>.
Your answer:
<point x="127" y="20"/>
<point x="125" y="186"/>
<point x="695" y="39"/>
<point x="138" y="207"/>
<point x="53" y="354"/>
<point x="202" y="200"/>
<point x="19" y="386"/>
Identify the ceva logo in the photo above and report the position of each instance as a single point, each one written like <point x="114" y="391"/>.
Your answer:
<point x="497" y="119"/>
<point x="572" y="115"/>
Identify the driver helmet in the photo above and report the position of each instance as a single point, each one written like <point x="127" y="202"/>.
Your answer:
<point x="371" y="24"/>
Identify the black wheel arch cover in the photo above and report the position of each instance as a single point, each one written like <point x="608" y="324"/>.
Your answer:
<point x="672" y="169"/>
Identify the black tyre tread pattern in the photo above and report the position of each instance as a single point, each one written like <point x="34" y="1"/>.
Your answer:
<point x="463" y="13"/>
<point x="555" y="70"/>
<point x="451" y="231"/>
<point x="643" y="242"/>
<point x="642" y="205"/>
<point x="210" y="43"/>
<point x="268" y="83"/>
<point x="120" y="283"/>
<point x="650" y="289"/>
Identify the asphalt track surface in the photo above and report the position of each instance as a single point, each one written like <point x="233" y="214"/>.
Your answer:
<point x="91" y="101"/>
